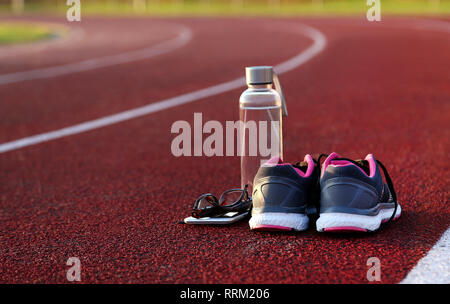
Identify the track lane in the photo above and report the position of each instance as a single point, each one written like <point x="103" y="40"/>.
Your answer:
<point x="182" y="38"/>
<point x="51" y="104"/>
<point x="103" y="195"/>
<point x="319" y="43"/>
<point x="92" y="38"/>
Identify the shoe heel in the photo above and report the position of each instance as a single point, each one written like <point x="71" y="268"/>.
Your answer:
<point x="276" y="221"/>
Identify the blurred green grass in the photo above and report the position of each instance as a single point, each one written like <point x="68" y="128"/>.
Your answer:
<point x="241" y="8"/>
<point x="12" y="33"/>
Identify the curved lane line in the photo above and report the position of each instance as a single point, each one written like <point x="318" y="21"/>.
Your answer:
<point x="90" y="64"/>
<point x="319" y="43"/>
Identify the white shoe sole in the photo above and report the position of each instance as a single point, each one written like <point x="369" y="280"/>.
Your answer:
<point x="275" y="221"/>
<point x="342" y="222"/>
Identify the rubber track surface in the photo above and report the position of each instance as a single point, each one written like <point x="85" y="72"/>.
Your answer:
<point x="113" y="196"/>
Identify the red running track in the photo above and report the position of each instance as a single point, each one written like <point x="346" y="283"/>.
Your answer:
<point x="113" y="196"/>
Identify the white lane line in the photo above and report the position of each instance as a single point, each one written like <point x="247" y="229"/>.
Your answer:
<point x="319" y="43"/>
<point x="434" y="268"/>
<point x="184" y="36"/>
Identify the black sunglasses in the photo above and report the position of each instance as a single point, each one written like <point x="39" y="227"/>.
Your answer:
<point x="233" y="200"/>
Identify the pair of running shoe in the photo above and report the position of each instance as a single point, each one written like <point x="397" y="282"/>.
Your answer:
<point x="341" y="195"/>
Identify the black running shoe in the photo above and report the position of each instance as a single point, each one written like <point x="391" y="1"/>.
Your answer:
<point x="354" y="197"/>
<point x="283" y="193"/>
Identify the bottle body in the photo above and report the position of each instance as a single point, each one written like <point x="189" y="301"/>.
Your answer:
<point x="261" y="138"/>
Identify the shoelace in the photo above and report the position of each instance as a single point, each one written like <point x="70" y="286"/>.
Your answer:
<point x="391" y="190"/>
<point x="319" y="166"/>
<point x="386" y="175"/>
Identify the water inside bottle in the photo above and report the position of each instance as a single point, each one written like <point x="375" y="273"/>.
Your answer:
<point x="261" y="139"/>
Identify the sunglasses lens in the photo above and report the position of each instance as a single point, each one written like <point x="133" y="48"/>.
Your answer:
<point x="207" y="201"/>
<point x="229" y="198"/>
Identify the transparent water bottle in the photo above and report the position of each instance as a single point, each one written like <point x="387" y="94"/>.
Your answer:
<point x="261" y="109"/>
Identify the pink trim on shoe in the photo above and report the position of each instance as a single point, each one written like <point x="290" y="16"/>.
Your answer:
<point x="271" y="228"/>
<point x="328" y="161"/>
<point x="277" y="161"/>
<point x="345" y="163"/>
<point x="273" y="161"/>
<point x="342" y="163"/>
<point x="372" y="164"/>
<point x="308" y="158"/>
<point x="345" y="229"/>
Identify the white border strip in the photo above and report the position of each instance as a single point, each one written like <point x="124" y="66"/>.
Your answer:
<point x="319" y="44"/>
<point x="434" y="268"/>
<point x="180" y="40"/>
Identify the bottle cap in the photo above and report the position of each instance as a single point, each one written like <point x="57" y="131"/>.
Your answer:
<point x="265" y="75"/>
<point x="259" y="75"/>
